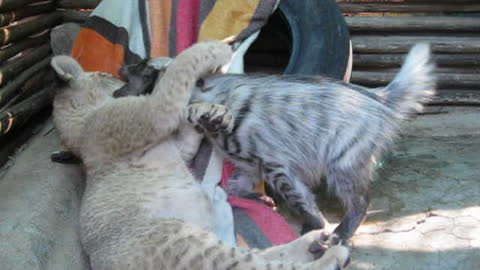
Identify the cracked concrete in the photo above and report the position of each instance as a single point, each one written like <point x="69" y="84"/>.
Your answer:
<point x="425" y="211"/>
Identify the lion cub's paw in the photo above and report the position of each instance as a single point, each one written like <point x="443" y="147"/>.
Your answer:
<point x="210" y="56"/>
<point x="211" y="118"/>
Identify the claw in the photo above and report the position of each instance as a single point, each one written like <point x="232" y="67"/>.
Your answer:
<point x="317" y="249"/>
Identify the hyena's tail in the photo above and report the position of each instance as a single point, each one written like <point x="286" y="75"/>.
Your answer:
<point x="414" y="84"/>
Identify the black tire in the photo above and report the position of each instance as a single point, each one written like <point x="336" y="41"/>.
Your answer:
<point x="307" y="37"/>
<point x="320" y="37"/>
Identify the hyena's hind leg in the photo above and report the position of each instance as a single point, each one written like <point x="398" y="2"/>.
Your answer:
<point x="351" y="187"/>
<point x="296" y="195"/>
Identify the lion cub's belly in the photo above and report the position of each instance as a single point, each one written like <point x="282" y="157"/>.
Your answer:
<point x="174" y="191"/>
<point x="142" y="193"/>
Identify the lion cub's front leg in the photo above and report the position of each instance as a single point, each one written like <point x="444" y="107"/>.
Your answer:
<point x="210" y="118"/>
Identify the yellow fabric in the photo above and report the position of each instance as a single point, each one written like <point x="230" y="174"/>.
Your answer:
<point x="227" y="18"/>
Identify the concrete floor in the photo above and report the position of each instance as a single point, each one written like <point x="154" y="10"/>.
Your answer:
<point x="425" y="211"/>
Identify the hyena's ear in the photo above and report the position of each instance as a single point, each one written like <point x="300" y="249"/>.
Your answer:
<point x="66" y="67"/>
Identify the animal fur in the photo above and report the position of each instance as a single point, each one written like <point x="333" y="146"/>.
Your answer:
<point x="142" y="208"/>
<point x="141" y="77"/>
<point x="292" y="130"/>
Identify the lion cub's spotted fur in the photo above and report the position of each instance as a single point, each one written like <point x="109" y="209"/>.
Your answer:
<point x="142" y="208"/>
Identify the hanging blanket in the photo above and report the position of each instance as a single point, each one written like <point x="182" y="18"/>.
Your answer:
<point x="117" y="34"/>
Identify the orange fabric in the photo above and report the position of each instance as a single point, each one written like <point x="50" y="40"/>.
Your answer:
<point x="104" y="56"/>
<point x="241" y="242"/>
<point x="227" y="18"/>
<point x="160" y="16"/>
<point x="260" y="188"/>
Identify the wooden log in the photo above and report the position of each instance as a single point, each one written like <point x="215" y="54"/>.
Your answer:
<point x="409" y="8"/>
<point x="12" y="141"/>
<point x="6" y="5"/>
<point x="26" y="90"/>
<point x="41" y="79"/>
<point x="463" y="70"/>
<point x="27" y="11"/>
<point x="414" y="23"/>
<point x="18" y="47"/>
<point x="19" y="114"/>
<point x="20" y="31"/>
<point x="44" y="76"/>
<point x="74" y="16"/>
<point x="444" y="80"/>
<point x="395" y="60"/>
<point x="456" y="98"/>
<point x="13" y="68"/>
<point x="78" y="4"/>
<point x="8" y="91"/>
<point x="401" y="44"/>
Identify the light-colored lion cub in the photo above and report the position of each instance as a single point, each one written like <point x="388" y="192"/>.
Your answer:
<point x="142" y="209"/>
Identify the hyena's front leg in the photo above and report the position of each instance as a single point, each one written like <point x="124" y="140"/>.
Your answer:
<point x="211" y="119"/>
<point x="296" y="195"/>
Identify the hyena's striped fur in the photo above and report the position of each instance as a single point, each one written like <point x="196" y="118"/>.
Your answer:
<point x="292" y="130"/>
<point x="142" y="209"/>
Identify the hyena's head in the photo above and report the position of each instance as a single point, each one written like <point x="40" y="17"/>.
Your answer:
<point x="141" y="77"/>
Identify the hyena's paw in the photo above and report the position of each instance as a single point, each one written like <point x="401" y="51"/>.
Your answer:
<point x="324" y="242"/>
<point x="211" y="118"/>
<point x="321" y="249"/>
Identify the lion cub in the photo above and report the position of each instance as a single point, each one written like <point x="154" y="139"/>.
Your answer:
<point x="142" y="209"/>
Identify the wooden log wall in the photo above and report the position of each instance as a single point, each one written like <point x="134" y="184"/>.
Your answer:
<point x="383" y="31"/>
<point x="27" y="82"/>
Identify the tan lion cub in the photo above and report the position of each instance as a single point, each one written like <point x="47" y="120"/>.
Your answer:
<point x="142" y="209"/>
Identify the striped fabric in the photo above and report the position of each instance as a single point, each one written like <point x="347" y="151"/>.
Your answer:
<point x="136" y="29"/>
<point x="117" y="34"/>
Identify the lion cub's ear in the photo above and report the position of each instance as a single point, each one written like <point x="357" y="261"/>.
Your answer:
<point x="66" y="67"/>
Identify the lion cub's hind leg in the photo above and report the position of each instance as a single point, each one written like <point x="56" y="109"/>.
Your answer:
<point x="176" y="245"/>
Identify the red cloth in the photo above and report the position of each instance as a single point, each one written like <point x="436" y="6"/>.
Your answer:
<point x="274" y="226"/>
<point x="187" y="23"/>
